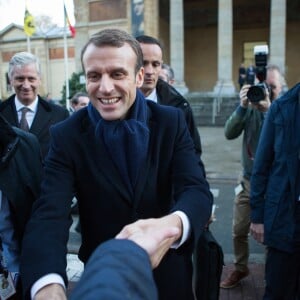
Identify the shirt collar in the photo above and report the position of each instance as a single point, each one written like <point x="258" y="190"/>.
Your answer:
<point x="32" y="106"/>
<point x="152" y="96"/>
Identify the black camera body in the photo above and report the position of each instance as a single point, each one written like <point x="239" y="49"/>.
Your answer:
<point x="257" y="92"/>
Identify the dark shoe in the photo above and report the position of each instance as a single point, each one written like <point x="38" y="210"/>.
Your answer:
<point x="233" y="279"/>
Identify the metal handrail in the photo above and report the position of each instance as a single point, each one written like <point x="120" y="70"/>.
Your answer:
<point x="217" y="103"/>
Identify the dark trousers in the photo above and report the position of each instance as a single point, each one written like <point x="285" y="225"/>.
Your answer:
<point x="283" y="269"/>
<point x="282" y="275"/>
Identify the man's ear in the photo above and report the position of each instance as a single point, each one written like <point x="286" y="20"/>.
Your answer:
<point x="139" y="78"/>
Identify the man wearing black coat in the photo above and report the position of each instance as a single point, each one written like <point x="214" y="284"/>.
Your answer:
<point x="25" y="76"/>
<point x="20" y="175"/>
<point x="131" y="164"/>
<point x="161" y="92"/>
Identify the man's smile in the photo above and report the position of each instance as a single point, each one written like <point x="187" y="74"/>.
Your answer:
<point x="109" y="101"/>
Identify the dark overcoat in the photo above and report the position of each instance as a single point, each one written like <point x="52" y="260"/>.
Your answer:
<point x="47" y="114"/>
<point x="78" y="164"/>
<point x="106" y="276"/>
<point x="20" y="173"/>
<point x="275" y="182"/>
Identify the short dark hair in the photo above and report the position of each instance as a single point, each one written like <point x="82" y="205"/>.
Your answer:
<point x="146" y="39"/>
<point x="115" y="38"/>
<point x="76" y="96"/>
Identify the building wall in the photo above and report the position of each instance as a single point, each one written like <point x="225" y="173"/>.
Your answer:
<point x="239" y="38"/>
<point x="200" y="65"/>
<point x="251" y="21"/>
<point x="50" y="52"/>
<point x="292" y="54"/>
<point x="201" y="58"/>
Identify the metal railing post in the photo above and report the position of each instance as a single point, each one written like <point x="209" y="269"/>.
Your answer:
<point x="216" y="106"/>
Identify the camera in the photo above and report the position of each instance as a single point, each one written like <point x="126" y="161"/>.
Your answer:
<point x="258" y="92"/>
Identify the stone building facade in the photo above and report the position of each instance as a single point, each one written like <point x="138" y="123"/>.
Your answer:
<point x="51" y="52"/>
<point x="204" y="41"/>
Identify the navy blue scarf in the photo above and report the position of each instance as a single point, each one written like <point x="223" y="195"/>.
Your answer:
<point x="125" y="140"/>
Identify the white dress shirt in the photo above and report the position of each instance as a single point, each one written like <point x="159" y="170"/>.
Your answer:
<point x="153" y="96"/>
<point x="30" y="114"/>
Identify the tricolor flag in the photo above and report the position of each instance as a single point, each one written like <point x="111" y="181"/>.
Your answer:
<point x="71" y="28"/>
<point x="29" y="26"/>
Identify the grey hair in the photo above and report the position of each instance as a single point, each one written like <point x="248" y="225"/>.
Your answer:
<point x="22" y="59"/>
<point x="169" y="70"/>
<point x="273" y="67"/>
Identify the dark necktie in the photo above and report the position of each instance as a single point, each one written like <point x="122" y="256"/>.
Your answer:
<point x="23" y="122"/>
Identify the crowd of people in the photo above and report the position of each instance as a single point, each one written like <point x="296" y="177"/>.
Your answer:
<point x="129" y="152"/>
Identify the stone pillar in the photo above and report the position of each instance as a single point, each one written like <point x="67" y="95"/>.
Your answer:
<point x="277" y="33"/>
<point x="81" y="12"/>
<point x="151" y="13"/>
<point x="225" y="84"/>
<point x="177" y="44"/>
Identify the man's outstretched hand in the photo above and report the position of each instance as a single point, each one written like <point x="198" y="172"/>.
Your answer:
<point x="156" y="236"/>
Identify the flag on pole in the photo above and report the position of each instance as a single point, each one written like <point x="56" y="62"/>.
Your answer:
<point x="71" y="28"/>
<point x="29" y="25"/>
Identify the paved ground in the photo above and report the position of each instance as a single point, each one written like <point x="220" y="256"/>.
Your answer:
<point x="222" y="162"/>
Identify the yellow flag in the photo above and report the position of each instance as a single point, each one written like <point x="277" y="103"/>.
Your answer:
<point x="29" y="26"/>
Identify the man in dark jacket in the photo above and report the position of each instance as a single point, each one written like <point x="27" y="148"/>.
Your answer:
<point x="159" y="91"/>
<point x="20" y="175"/>
<point x="26" y="109"/>
<point x="131" y="164"/>
<point x="275" y="196"/>
<point x="247" y="120"/>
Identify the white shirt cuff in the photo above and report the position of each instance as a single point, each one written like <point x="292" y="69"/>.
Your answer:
<point x="45" y="280"/>
<point x="186" y="229"/>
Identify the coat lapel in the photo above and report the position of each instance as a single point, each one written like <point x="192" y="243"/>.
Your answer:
<point x="40" y="121"/>
<point x="146" y="167"/>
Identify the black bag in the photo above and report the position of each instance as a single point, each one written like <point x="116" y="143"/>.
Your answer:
<point x="208" y="261"/>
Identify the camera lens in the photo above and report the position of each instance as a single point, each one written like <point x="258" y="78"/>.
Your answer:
<point x="256" y="93"/>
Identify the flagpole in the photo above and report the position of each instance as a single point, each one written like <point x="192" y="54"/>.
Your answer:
<point x="28" y="44"/>
<point x="66" y="62"/>
<point x="29" y="26"/>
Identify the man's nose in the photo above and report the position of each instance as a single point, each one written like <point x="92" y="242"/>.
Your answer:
<point x="26" y="83"/>
<point x="149" y="69"/>
<point x="106" y="84"/>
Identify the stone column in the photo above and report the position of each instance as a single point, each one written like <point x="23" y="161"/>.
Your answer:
<point x="81" y="12"/>
<point x="225" y="84"/>
<point x="277" y="33"/>
<point x="177" y="44"/>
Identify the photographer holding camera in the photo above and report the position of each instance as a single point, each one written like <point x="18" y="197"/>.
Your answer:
<point x="248" y="119"/>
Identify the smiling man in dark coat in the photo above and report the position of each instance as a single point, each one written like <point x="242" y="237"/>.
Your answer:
<point x="131" y="164"/>
<point x="25" y="77"/>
